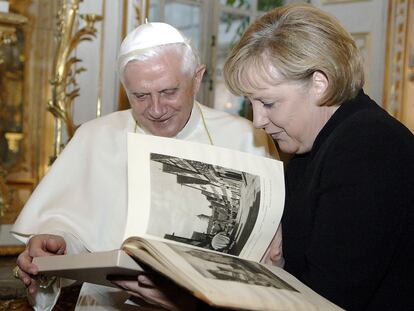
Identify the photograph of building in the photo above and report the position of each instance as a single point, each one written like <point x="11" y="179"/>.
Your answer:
<point x="228" y="268"/>
<point x="231" y="201"/>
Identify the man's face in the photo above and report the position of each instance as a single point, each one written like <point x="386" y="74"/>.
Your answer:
<point x="160" y="94"/>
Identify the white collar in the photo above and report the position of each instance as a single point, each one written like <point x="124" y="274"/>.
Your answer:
<point x="192" y="122"/>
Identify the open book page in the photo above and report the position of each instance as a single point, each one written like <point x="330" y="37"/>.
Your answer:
<point x="307" y="292"/>
<point x="226" y="281"/>
<point x="204" y="196"/>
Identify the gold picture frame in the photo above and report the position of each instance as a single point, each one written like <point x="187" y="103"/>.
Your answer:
<point x="410" y="42"/>
<point x="399" y="64"/>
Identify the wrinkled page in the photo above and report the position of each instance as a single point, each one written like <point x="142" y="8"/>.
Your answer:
<point x="204" y="196"/>
<point x="228" y="281"/>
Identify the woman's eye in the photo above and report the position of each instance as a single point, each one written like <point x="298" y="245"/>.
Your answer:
<point x="266" y="104"/>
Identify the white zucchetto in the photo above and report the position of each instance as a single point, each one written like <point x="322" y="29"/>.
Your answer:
<point x="150" y="35"/>
<point x="146" y="36"/>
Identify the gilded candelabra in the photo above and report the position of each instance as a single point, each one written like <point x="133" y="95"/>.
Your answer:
<point x="64" y="86"/>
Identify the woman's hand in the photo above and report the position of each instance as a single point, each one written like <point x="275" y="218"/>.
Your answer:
<point x="158" y="291"/>
<point x="274" y="253"/>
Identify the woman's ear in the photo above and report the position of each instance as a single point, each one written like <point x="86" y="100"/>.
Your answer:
<point x="319" y="83"/>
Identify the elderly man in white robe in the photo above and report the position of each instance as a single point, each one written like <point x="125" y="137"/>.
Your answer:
<point x="81" y="204"/>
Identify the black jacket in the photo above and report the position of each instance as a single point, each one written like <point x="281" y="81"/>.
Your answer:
<point x="348" y="225"/>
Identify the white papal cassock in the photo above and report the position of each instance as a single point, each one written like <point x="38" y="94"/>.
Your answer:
<point x="83" y="197"/>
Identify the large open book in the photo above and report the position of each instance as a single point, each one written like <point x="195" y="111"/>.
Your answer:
<point x="203" y="217"/>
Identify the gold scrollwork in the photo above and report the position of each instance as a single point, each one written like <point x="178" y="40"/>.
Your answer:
<point x="64" y="86"/>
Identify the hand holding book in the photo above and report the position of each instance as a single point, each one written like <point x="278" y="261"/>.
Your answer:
<point x="184" y="201"/>
<point x="156" y="290"/>
<point x="38" y="245"/>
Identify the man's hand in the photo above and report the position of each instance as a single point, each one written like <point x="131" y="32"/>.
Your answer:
<point x="158" y="291"/>
<point x="38" y="246"/>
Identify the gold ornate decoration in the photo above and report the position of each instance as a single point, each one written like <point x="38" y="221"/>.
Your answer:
<point x="137" y="14"/>
<point x="410" y="43"/>
<point x="8" y="23"/>
<point x="141" y="12"/>
<point x="8" y="26"/>
<point x="13" y="141"/>
<point x="64" y="86"/>
<point x="399" y="66"/>
<point x="25" y="87"/>
<point x="4" y="197"/>
<point x="396" y="41"/>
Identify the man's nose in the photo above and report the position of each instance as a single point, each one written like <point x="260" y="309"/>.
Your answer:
<point x="157" y="109"/>
<point x="259" y="116"/>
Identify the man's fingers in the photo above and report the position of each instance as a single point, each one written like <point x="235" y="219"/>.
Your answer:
<point x="38" y="245"/>
<point x="24" y="262"/>
<point x="158" y="291"/>
<point x="32" y="288"/>
<point x="55" y="246"/>
<point x="150" y="295"/>
<point x="26" y="269"/>
<point x="144" y="292"/>
<point x="46" y="245"/>
<point x="24" y="277"/>
<point x="145" y="281"/>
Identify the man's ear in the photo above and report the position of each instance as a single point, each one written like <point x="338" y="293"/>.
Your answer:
<point x="198" y="77"/>
<point x="319" y="83"/>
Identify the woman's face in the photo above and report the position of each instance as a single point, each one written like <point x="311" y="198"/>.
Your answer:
<point x="288" y="111"/>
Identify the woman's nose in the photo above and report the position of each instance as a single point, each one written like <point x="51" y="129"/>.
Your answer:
<point x="259" y="116"/>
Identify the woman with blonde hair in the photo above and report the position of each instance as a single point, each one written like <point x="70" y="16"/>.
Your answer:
<point x="348" y="225"/>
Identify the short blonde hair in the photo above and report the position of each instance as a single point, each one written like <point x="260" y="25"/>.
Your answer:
<point x="297" y="40"/>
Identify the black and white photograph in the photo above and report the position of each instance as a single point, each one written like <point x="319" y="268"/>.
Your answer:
<point x="217" y="266"/>
<point x="201" y="204"/>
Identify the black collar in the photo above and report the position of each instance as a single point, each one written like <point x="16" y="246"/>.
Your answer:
<point x="347" y="109"/>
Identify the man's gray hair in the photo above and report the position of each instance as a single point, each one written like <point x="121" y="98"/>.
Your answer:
<point x="190" y="58"/>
